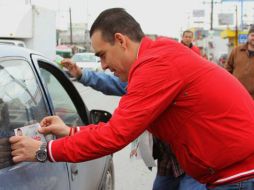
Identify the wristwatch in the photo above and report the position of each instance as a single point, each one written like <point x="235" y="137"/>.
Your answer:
<point x="41" y="154"/>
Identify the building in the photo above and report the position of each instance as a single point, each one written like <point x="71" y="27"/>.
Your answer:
<point x="80" y="36"/>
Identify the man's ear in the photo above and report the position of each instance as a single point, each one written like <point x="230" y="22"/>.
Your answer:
<point x="121" y="39"/>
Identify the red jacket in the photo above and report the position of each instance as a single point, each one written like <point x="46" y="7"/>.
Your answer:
<point x="200" y="109"/>
<point x="193" y="48"/>
<point x="196" y="49"/>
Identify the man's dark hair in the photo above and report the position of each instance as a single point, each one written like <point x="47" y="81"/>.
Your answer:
<point x="251" y="30"/>
<point x="187" y="31"/>
<point x="116" y="20"/>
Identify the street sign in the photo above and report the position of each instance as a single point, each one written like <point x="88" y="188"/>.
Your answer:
<point x="226" y="18"/>
<point x="242" y="38"/>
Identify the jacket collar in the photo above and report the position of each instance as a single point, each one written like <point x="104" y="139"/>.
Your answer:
<point x="145" y="43"/>
<point x="190" y="46"/>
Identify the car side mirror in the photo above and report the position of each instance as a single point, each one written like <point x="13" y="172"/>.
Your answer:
<point x="97" y="116"/>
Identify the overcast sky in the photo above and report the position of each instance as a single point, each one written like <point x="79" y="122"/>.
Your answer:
<point x="162" y="17"/>
<point x="158" y="17"/>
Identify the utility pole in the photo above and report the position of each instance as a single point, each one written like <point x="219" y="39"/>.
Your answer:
<point x="211" y="21"/>
<point x="236" y="27"/>
<point x="71" y="42"/>
<point x="241" y="26"/>
<point x="212" y="12"/>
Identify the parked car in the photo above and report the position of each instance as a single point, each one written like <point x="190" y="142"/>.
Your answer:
<point x="32" y="87"/>
<point x="87" y="60"/>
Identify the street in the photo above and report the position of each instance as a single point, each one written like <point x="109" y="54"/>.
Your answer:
<point x="129" y="174"/>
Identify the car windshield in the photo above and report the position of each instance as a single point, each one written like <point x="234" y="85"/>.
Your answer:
<point x="84" y="58"/>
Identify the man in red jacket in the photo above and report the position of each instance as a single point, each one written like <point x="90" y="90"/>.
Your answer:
<point x="187" y="39"/>
<point x="201" y="110"/>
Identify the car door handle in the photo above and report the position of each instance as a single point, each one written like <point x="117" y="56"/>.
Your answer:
<point x="74" y="171"/>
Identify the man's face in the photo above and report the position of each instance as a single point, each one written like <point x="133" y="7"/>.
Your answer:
<point x="187" y="38"/>
<point x="251" y="39"/>
<point x="113" y="57"/>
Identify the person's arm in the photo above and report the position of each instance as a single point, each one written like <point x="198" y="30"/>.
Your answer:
<point x="229" y="65"/>
<point x="147" y="97"/>
<point x="105" y="83"/>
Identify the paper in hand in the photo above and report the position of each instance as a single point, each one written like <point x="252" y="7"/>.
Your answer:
<point x="32" y="131"/>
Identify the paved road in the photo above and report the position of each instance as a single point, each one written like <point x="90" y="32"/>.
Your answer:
<point x="129" y="174"/>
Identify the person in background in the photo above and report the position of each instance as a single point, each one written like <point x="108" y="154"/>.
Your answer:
<point x="241" y="63"/>
<point x="222" y="60"/>
<point x="169" y="173"/>
<point x="187" y="39"/>
<point x="174" y="94"/>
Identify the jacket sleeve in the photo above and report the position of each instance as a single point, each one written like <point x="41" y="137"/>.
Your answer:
<point x="150" y="91"/>
<point x="229" y="65"/>
<point x="105" y="83"/>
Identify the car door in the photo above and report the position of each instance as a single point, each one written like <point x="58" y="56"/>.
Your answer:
<point x="68" y="105"/>
<point x="22" y="102"/>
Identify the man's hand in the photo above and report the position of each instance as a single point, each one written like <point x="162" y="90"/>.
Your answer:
<point x="74" y="70"/>
<point x="24" y="148"/>
<point x="54" y="125"/>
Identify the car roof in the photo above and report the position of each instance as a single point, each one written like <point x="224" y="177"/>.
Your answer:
<point x="11" y="51"/>
<point x="12" y="41"/>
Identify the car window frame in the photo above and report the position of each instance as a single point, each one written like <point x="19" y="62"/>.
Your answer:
<point x="66" y="84"/>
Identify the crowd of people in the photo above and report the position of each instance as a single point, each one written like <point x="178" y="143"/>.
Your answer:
<point x="200" y="115"/>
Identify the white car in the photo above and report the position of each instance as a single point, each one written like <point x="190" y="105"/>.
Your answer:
<point x="87" y="60"/>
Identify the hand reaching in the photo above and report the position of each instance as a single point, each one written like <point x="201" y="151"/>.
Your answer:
<point x="74" y="70"/>
<point x="54" y="125"/>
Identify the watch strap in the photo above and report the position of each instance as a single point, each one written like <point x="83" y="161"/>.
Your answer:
<point x="43" y="147"/>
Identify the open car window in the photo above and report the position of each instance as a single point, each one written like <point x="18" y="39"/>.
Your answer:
<point x="62" y="102"/>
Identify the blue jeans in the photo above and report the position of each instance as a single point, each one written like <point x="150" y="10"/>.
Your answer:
<point x="244" y="185"/>
<point x="184" y="182"/>
<point x="188" y="183"/>
<point x="166" y="183"/>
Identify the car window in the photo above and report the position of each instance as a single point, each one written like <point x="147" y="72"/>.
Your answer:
<point x="62" y="103"/>
<point x="21" y="101"/>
